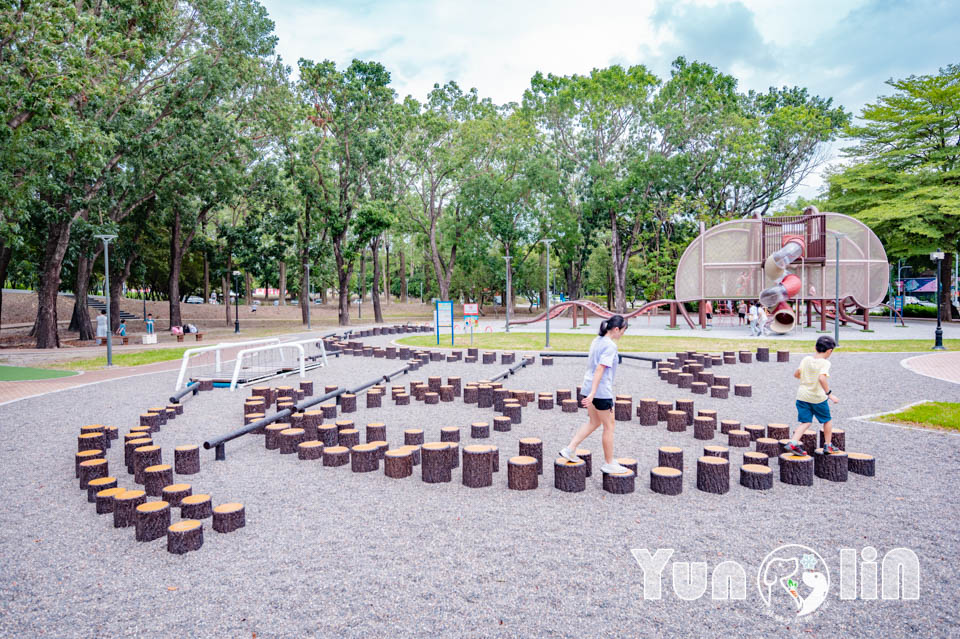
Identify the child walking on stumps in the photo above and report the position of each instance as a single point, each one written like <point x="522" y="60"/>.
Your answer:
<point x="601" y="370"/>
<point x="814" y="396"/>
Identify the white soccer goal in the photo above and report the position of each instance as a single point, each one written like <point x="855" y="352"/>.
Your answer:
<point x="209" y="362"/>
<point x="275" y="360"/>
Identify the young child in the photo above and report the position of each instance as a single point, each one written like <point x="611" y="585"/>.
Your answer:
<point x="149" y="323"/>
<point x="122" y="329"/>
<point x="814" y="396"/>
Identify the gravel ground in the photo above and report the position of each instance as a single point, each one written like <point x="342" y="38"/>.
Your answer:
<point x="327" y="552"/>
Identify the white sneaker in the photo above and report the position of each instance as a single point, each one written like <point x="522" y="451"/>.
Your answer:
<point x="569" y="455"/>
<point x="614" y="469"/>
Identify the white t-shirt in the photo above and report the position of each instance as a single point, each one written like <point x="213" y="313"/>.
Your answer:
<point x="811" y="368"/>
<point x="603" y="350"/>
<point x="102" y="330"/>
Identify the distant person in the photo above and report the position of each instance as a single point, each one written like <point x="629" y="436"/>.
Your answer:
<point x="149" y="323"/>
<point x="122" y="329"/>
<point x="753" y="317"/>
<point x="814" y="396"/>
<point x="102" y="329"/>
<point x="176" y="330"/>
<point x="741" y="313"/>
<point x="762" y="319"/>
<point x="599" y="377"/>
<point x="708" y="311"/>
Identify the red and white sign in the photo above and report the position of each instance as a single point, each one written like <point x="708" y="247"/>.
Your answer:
<point x="470" y="309"/>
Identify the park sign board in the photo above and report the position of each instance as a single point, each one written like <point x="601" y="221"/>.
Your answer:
<point x="471" y="314"/>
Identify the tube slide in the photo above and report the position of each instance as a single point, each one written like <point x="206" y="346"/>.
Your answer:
<point x="787" y="286"/>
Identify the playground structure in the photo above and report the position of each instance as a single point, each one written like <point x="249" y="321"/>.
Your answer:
<point x="788" y="262"/>
<point x="585" y="306"/>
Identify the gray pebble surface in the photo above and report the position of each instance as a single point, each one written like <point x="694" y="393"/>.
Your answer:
<point x="327" y="552"/>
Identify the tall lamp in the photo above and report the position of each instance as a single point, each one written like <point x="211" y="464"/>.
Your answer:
<point x="548" y="241"/>
<point x="106" y="284"/>
<point x="937" y="256"/>
<point x="236" y="301"/>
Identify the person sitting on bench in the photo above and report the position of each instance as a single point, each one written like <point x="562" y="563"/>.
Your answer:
<point x="122" y="329"/>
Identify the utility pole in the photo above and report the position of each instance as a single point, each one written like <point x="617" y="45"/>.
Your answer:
<point x="548" y="242"/>
<point x="506" y="301"/>
<point x="106" y="286"/>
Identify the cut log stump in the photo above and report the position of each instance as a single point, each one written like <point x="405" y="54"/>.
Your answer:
<point x="96" y="485"/>
<point x="196" y="507"/>
<point x="532" y="447"/>
<point x="333" y="435"/>
<point x="229" y="517"/>
<point x="713" y="475"/>
<point x="809" y="442"/>
<point x="271" y="439"/>
<point x="716" y="451"/>
<point x="449" y="434"/>
<point x="796" y="470"/>
<point x="778" y="431"/>
<point x="838" y="437"/>
<point x="647" y="411"/>
<point x="289" y="439"/>
<point x="830" y="466"/>
<point x="686" y="405"/>
<point x="727" y="425"/>
<point x="756" y="431"/>
<point x="398" y="463"/>
<point x="670" y="457"/>
<point x="622" y="410"/>
<point x="743" y="390"/>
<point x="86" y="455"/>
<point x="174" y="493"/>
<point x="413" y="437"/>
<point x="545" y="402"/>
<point x="186" y="459"/>
<point x="142" y="457"/>
<point x="513" y="411"/>
<point x="184" y="536"/>
<point x="93" y="469"/>
<point x="738" y="439"/>
<point x="753" y="457"/>
<point x="105" y="499"/>
<point x="719" y="392"/>
<point x="663" y="409"/>
<point x="310" y="450"/>
<point x="703" y="428"/>
<point x="768" y="446"/>
<point x="376" y="432"/>
<point x="587" y="458"/>
<point x="676" y="421"/>
<point x="569" y="406"/>
<point x="862" y="464"/>
<point x="522" y="473"/>
<point x="502" y="424"/>
<point x="619" y="483"/>
<point x="568" y="476"/>
<point x="470" y="394"/>
<point x="666" y="480"/>
<point x="124" y="507"/>
<point x="364" y="458"/>
<point x="151" y="520"/>
<point x="155" y="478"/>
<point x="562" y="394"/>
<point x="756" y="477"/>
<point x="479" y="430"/>
<point x="435" y="463"/>
<point x="336" y="456"/>
<point x="477" y="466"/>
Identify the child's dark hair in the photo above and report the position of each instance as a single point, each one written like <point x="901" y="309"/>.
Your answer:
<point x="825" y="344"/>
<point x="615" y="321"/>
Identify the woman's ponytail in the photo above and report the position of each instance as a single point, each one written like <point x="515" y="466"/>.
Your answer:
<point x="615" y="321"/>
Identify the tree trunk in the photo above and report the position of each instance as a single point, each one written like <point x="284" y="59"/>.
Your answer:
<point x="206" y="278"/>
<point x="545" y="288"/>
<point x="176" y="260"/>
<point x="946" y="276"/>
<point x="45" y="328"/>
<point x="80" y="319"/>
<point x="363" y="276"/>
<point x="344" y="271"/>
<point x="386" y="269"/>
<point x="508" y="294"/>
<point x="304" y="287"/>
<point x="443" y="272"/>
<point x="403" y="276"/>
<point x="374" y="291"/>
<point x="283" y="283"/>
<point x="116" y="288"/>
<point x="5" y="254"/>
<point x="248" y="290"/>
<point x="225" y="286"/>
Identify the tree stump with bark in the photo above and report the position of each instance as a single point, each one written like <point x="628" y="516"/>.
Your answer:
<point x="470" y="394"/>
<point x="477" y="466"/>
<point x="676" y="421"/>
<point x="619" y="483"/>
<point x="622" y="410"/>
<point x="568" y="476"/>
<point x="743" y="390"/>
<point x="663" y="410"/>
<point x="413" y="437"/>
<point x="435" y="463"/>
<point x="673" y="376"/>
<point x="310" y="450"/>
<point x="376" y="431"/>
<point x="499" y="396"/>
<point x="710" y="414"/>
<point x="336" y="456"/>
<point x="698" y="388"/>
<point x="713" y="475"/>
<point x="569" y="406"/>
<point x="716" y="451"/>
<point x="271" y="439"/>
<point x="374" y="398"/>
<point x="684" y="380"/>
<point x="809" y="442"/>
<point x="479" y="430"/>
<point x="705" y="377"/>
<point x="746" y="357"/>
<point x="92" y="441"/>
<point x="348" y="437"/>
<point x="703" y="428"/>
<point x="128" y="447"/>
<point x="722" y="380"/>
<point x="763" y="354"/>
<point x="666" y="480"/>
<point x="450" y="434"/>
<point x="755" y="431"/>
<point x="104" y="499"/>
<point x="484" y="396"/>
<point x="90" y="469"/>
<point x="738" y="439"/>
<point x="512" y="410"/>
<point x="796" y="470"/>
<point x="768" y="446"/>
<point x="434" y="383"/>
<point x="229" y="517"/>
<point x="151" y="520"/>
<point x="186" y="459"/>
<point x="254" y="406"/>
<point x="783" y="356"/>
<point x="453" y="454"/>
<point x="778" y="431"/>
<point x="124" y="507"/>
<point x="173" y="494"/>
<point x="456" y="383"/>
<point x="838" y="439"/>
<point x="647" y="411"/>
<point x="155" y="478"/>
<point x="97" y="484"/>
<point x="862" y="464"/>
<point x="161" y="414"/>
<point x="489" y="358"/>
<point x="348" y="403"/>
<point x="522" y="473"/>
<point x="151" y="421"/>
<point x="756" y="476"/>
<point x="398" y="463"/>
<point x="184" y="536"/>
<point x="502" y="424"/>
<point x="289" y="439"/>
<point x="545" y="401"/>
<point x="264" y="392"/>
<point x="329" y="410"/>
<point x="196" y="507"/>
<point x="562" y="394"/>
<point x="753" y="457"/>
<point x="284" y="404"/>
<point x="587" y="458"/>
<point x="729" y="359"/>
<point x="532" y="447"/>
<point x="307" y="387"/>
<point x="142" y="457"/>
<point x="719" y="392"/>
<point x="436" y="356"/>
<point x="670" y="456"/>
<point x="830" y="466"/>
<point x="431" y="398"/>
<point x="628" y="462"/>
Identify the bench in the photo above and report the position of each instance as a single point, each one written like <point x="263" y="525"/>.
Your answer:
<point x="198" y="336"/>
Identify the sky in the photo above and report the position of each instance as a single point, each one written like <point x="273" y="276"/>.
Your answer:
<point x="842" y="49"/>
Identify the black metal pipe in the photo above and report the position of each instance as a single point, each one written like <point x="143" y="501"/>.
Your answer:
<point x="653" y="360"/>
<point x="510" y="371"/>
<point x="564" y="354"/>
<point x="191" y="388"/>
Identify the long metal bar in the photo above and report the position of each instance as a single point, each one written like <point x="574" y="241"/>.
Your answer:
<point x="192" y="388"/>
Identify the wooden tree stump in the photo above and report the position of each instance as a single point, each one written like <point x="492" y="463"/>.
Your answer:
<point x="470" y="359"/>
<point x="435" y="463"/>
<point x="307" y="387"/>
<point x="562" y="394"/>
<point x="398" y="463"/>
<point x="722" y="380"/>
<point x="196" y="507"/>
<point x="719" y="392"/>
<point x="778" y="431"/>
<point x="264" y="392"/>
<point x="502" y="424"/>
<point x="453" y="453"/>
<point x="499" y="396"/>
<point x="283" y="404"/>
<point x="472" y="352"/>
<point x="666" y="480"/>
<point x="838" y="438"/>
<point x="434" y="383"/>
<point x="229" y="517"/>
<point x="756" y="476"/>
<point x="489" y="358"/>
<point x="796" y="470"/>
<point x="450" y="434"/>
<point x="783" y="443"/>
<point x="546" y="360"/>
<point x="830" y="466"/>
<point x="365" y="458"/>
<point x="414" y="453"/>
<point x="431" y="398"/>
<point x="532" y="447"/>
<point x="271" y="440"/>
<point x="713" y="475"/>
<point x="151" y="520"/>
<point x="128" y="447"/>
<point x="738" y="439"/>
<point x="619" y="483"/>
<point x="285" y="391"/>
<point x="663" y="409"/>
<point x="436" y="356"/>
<point x="622" y="410"/>
<point x="104" y="499"/>
<point x="522" y="473"/>
<point x="329" y="410"/>
<point x="684" y="380"/>
<point x="512" y="410"/>
<point x="569" y="406"/>
<point x="184" y="536"/>
<point x="310" y="450"/>
<point x="731" y="359"/>
<point x="470" y="394"/>
<point x="186" y="459"/>
<point x="587" y="458"/>
<point x="628" y="462"/>
<point x="746" y="357"/>
<point x="698" y="388"/>
<point x="809" y="442"/>
<point x="753" y="457"/>
<point x="124" y="507"/>
<point x="253" y="417"/>
<point x="783" y="356"/>
<point x="344" y="424"/>
<point x="348" y="403"/>
<point x="477" y="466"/>
<point x="763" y="354"/>
<point x="716" y="451"/>
<point x="173" y="494"/>
<point x="727" y="425"/>
<point x="413" y="437"/>
<point x="374" y="398"/>
<point x="705" y="377"/>
<point x="670" y="457"/>
<point x="709" y="414"/>
<point x="90" y="469"/>
<point x="289" y="439"/>
<point x="112" y="433"/>
<point x="755" y="431"/>
<point x="676" y="421"/>
<point x="142" y="457"/>
<point x="673" y="376"/>
<point x="348" y="437"/>
<point x="336" y="455"/>
<point x="568" y="476"/>
<point x="703" y="428"/>
<point x="479" y="430"/>
<point x="151" y="421"/>
<point x="376" y="432"/>
<point x="862" y="464"/>
<point x="92" y="441"/>
<point x="508" y="358"/>
<point x="97" y="484"/>
<point x="254" y="406"/>
<point x="768" y="446"/>
<point x="743" y="390"/>
<point x="647" y="411"/>
<point x="155" y="478"/>
<point x="402" y="399"/>
<point x="545" y="402"/>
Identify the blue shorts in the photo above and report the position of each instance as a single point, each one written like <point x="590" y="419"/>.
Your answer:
<point x="806" y="411"/>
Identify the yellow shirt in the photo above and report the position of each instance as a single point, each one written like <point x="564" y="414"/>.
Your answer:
<point x="811" y="368"/>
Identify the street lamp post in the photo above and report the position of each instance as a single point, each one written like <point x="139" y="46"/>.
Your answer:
<point x="938" y="256"/>
<point x="236" y="301"/>
<point x="506" y="301"/>
<point x="836" y="309"/>
<point x="106" y="285"/>
<point x="308" y="296"/>
<point x="548" y="242"/>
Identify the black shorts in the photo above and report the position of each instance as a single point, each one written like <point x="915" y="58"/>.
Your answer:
<point x="709" y="315"/>
<point x="602" y="404"/>
<point x="741" y="315"/>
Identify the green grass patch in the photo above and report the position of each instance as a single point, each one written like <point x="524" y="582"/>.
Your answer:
<point x="667" y="343"/>
<point x="125" y="359"/>
<point x="929" y="415"/>
<point x="22" y="373"/>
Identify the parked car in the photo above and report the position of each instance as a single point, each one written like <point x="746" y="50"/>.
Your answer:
<point x="194" y="299"/>
<point x="910" y="299"/>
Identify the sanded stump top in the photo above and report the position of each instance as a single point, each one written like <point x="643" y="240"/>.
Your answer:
<point x="130" y="495"/>
<point x="153" y="506"/>
<point x="175" y="488"/>
<point x="366" y="447"/>
<point x="711" y="459"/>
<point x="530" y="440"/>
<point x="187" y="447"/>
<point x="225" y="509"/>
<point x="563" y="461"/>
<point x="193" y="500"/>
<point x="522" y="460"/>
<point x="403" y="451"/>
<point x="666" y="471"/>
<point x="185" y="526"/>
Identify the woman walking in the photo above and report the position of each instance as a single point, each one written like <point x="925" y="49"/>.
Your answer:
<point x="601" y="371"/>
